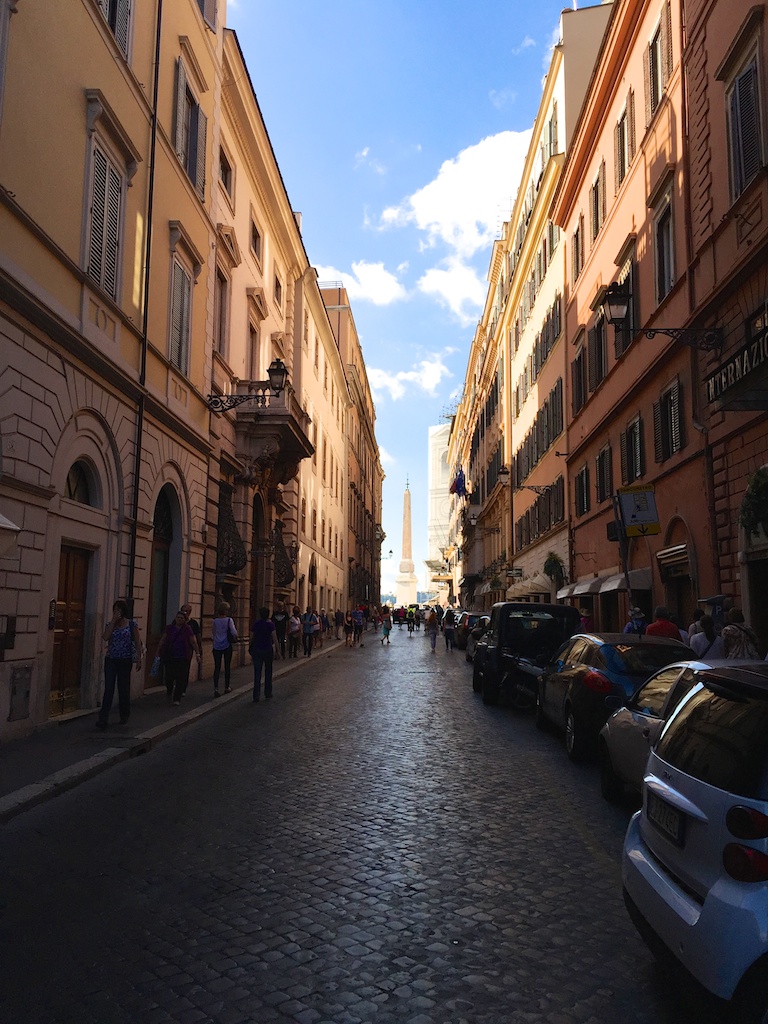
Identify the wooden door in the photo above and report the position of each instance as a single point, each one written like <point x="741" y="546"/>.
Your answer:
<point x="69" y="631"/>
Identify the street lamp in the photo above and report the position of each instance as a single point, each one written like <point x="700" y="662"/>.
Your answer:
<point x="503" y="476"/>
<point x="277" y="374"/>
<point x="616" y="304"/>
<point x="475" y="519"/>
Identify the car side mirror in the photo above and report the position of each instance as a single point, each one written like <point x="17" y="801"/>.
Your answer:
<point x="613" y="703"/>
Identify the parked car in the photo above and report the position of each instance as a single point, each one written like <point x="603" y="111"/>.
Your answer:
<point x="478" y="630"/>
<point x="590" y="667"/>
<point x="626" y="738"/>
<point x="520" y="639"/>
<point x="465" y="622"/>
<point x="695" y="863"/>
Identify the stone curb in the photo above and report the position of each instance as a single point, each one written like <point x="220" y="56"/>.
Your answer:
<point x="67" y="778"/>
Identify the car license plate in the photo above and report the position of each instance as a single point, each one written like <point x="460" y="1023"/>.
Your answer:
<point x="668" y="820"/>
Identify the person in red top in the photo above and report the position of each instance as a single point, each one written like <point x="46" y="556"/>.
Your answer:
<point x="661" y="626"/>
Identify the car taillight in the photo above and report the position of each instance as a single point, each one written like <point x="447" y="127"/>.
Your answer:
<point x="747" y="823"/>
<point x="597" y="682"/>
<point x="745" y="864"/>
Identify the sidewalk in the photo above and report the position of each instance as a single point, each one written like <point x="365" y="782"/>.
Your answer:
<point x="68" y="751"/>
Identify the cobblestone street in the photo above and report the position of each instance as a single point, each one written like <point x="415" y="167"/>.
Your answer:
<point x="372" y="845"/>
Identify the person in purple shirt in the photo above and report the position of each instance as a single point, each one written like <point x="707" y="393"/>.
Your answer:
<point x="262" y="649"/>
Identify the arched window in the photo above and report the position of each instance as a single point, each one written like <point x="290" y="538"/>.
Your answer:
<point x="79" y="486"/>
<point x="314" y="524"/>
<point x="303" y="515"/>
<point x="322" y="533"/>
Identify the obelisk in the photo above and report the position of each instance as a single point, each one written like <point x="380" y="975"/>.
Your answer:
<point x="406" y="584"/>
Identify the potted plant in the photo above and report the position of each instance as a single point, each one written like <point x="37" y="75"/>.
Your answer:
<point x="753" y="513"/>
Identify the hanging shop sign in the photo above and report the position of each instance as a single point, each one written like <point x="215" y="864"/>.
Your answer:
<point x="743" y="363"/>
<point x="638" y="511"/>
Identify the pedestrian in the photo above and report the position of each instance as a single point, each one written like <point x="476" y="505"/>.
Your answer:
<point x="695" y="626"/>
<point x="308" y="623"/>
<point x="339" y="622"/>
<point x="739" y="640"/>
<point x="223" y="635"/>
<point x="319" y="630"/>
<point x="431" y="628"/>
<point x="177" y="646"/>
<point x="586" y="622"/>
<point x="124" y="650"/>
<point x="349" y="629"/>
<point x="194" y="625"/>
<point x="661" y="625"/>
<point x="705" y="643"/>
<point x="294" y="632"/>
<point x="357" y="619"/>
<point x="386" y="625"/>
<point x="636" y="622"/>
<point x="449" y="628"/>
<point x="280" y="618"/>
<point x="262" y="648"/>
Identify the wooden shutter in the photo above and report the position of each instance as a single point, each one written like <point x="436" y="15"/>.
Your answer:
<point x="592" y="360"/>
<point x="618" y="174"/>
<point x="624" y="458"/>
<point x="181" y="111"/>
<point x="122" y="20"/>
<point x="631" y="137"/>
<point x="639" y="448"/>
<point x="202" y="130"/>
<point x="208" y="9"/>
<point x="112" y="230"/>
<point x="745" y="126"/>
<point x="659" y="446"/>
<point x="676" y="417"/>
<point x="180" y="318"/>
<point x="647" y="82"/>
<point x="666" y="43"/>
<point x="602" y="197"/>
<point x="98" y="216"/>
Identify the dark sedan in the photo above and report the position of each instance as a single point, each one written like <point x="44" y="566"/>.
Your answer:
<point x="591" y="667"/>
<point x="465" y="624"/>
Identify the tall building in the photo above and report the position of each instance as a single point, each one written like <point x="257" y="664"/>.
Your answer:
<point x="441" y="553"/>
<point x="406" y="584"/>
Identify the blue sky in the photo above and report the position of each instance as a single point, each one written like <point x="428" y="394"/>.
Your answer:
<point x="400" y="128"/>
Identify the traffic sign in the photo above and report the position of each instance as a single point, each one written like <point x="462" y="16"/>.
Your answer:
<point x="638" y="511"/>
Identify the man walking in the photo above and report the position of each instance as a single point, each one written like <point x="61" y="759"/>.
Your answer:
<point x="262" y="650"/>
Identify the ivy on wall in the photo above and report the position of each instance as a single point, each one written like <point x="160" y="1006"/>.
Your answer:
<point x="754" y="506"/>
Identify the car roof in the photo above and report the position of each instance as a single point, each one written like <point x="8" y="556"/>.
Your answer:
<point x="629" y="639"/>
<point x="747" y="677"/>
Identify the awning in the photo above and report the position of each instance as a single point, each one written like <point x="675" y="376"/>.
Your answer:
<point x="589" y="586"/>
<point x="639" y="579"/>
<point x="538" y="584"/>
<point x="565" y="592"/>
<point x="484" y="588"/>
<point x="675" y="555"/>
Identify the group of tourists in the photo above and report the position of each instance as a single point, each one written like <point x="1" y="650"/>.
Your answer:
<point x="724" y="636"/>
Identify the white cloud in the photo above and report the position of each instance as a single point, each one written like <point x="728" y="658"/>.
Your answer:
<point x="368" y="282"/>
<point x="464" y="206"/>
<point x="364" y="159"/>
<point x="456" y="286"/>
<point x="426" y="375"/>
<point x="501" y="98"/>
<point x="526" y="44"/>
<point x="386" y="458"/>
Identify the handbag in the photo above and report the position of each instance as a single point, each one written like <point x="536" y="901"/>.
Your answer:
<point x="155" y="670"/>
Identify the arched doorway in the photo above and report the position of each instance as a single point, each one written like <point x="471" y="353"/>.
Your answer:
<point x="165" y="578"/>
<point x="260" y="553"/>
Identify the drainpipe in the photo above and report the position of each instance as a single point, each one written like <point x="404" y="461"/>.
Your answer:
<point x="145" y="315"/>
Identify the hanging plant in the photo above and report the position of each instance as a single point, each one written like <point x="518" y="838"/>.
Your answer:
<point x="754" y="506"/>
<point x="496" y="583"/>
<point x="553" y="566"/>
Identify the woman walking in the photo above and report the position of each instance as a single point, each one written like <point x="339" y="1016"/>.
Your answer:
<point x="294" y="632"/>
<point x="177" y="645"/>
<point x="263" y="648"/>
<point x="432" y="627"/>
<point x="386" y="624"/>
<point x="123" y="649"/>
<point x="223" y="634"/>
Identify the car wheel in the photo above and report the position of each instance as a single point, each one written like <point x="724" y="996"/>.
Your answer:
<point x="611" y="785"/>
<point x="490" y="692"/>
<point x="751" y="998"/>
<point x="477" y="679"/>
<point x="575" y="745"/>
<point x="541" y="718"/>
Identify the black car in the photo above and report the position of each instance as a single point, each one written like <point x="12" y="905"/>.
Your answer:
<point x="573" y="688"/>
<point x="475" y="634"/>
<point x="465" y="622"/>
<point x="520" y="640"/>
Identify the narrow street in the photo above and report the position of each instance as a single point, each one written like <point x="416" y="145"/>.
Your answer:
<point x="372" y="845"/>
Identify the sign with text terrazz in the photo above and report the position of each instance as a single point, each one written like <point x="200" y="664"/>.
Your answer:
<point x="742" y="363"/>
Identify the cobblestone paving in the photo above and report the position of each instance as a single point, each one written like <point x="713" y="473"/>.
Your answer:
<point x="372" y="845"/>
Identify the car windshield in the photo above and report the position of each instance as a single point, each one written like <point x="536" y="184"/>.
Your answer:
<point x="531" y="634"/>
<point x="720" y="738"/>
<point x="642" y="659"/>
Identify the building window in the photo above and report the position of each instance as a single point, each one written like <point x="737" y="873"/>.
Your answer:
<point x="632" y="452"/>
<point x="225" y="172"/>
<point x="582" y="491"/>
<point x="220" y="312"/>
<point x="624" y="140"/>
<point x="577" y="252"/>
<point x="254" y="352"/>
<point x="664" y="247"/>
<point x="597" y="355"/>
<point x="255" y="241"/>
<point x="208" y="11"/>
<point x="579" y="380"/>
<point x="668" y="436"/>
<point x="278" y="292"/>
<point x="303" y="515"/>
<point x="190" y="131"/>
<point x="658" y="63"/>
<point x="322" y="533"/>
<point x="604" y="474"/>
<point x="118" y="16"/>
<point x="597" y="203"/>
<point x="744" y="134"/>
<point x="314" y="524"/>
<point x="78" y="487"/>
<point x="624" y="336"/>
<point x="105" y="221"/>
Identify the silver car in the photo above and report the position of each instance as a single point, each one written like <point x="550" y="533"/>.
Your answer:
<point x="627" y="737"/>
<point x="695" y="863"/>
